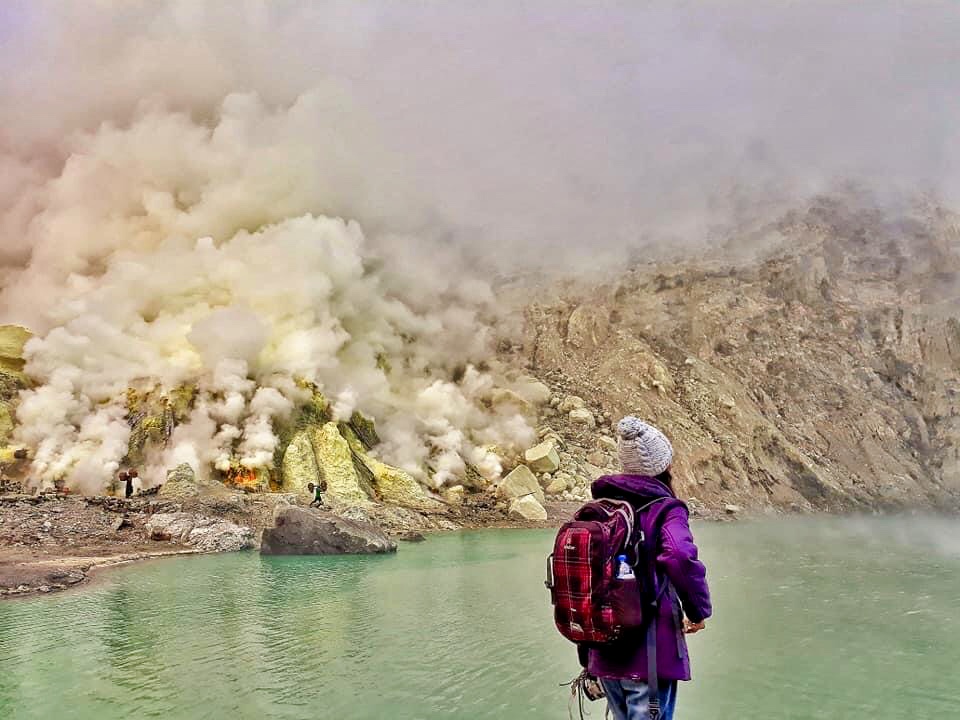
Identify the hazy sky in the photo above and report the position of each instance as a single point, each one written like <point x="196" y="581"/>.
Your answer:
<point x="523" y="124"/>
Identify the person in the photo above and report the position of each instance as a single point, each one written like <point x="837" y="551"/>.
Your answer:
<point x="646" y="456"/>
<point x="127" y="482"/>
<point x="316" y="490"/>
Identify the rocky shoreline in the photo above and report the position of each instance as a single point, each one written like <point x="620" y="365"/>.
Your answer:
<point x="50" y="543"/>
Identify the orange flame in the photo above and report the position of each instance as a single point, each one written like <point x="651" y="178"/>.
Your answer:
<point x="243" y="478"/>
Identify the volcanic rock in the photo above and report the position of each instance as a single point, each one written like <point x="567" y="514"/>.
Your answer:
<point x="181" y="483"/>
<point x="12" y="379"/>
<point x="203" y="533"/>
<point x="398" y="487"/>
<point x="518" y="483"/>
<point x="527" y="508"/>
<point x="607" y="443"/>
<point x="13" y="338"/>
<point x="571" y="403"/>
<point x="588" y="326"/>
<point x="210" y="535"/>
<point x="299" y="531"/>
<point x="556" y="486"/>
<point x="174" y="527"/>
<point x="503" y="398"/>
<point x="543" y="458"/>
<point x="454" y="495"/>
<point x="582" y="416"/>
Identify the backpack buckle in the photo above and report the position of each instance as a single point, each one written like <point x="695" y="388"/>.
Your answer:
<point x="654" y="707"/>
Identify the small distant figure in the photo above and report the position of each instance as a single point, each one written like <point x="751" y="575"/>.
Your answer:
<point x="124" y="479"/>
<point x="316" y="490"/>
<point x="128" y="478"/>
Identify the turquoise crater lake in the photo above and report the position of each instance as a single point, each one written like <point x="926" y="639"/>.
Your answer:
<point x="816" y="618"/>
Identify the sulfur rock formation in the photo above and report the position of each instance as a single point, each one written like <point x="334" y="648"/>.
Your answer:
<point x="13" y="338"/>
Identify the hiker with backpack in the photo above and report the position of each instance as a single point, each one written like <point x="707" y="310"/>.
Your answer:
<point x="626" y="583"/>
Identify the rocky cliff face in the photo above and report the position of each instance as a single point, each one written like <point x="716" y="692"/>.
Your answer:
<point x="820" y="374"/>
<point x="809" y="364"/>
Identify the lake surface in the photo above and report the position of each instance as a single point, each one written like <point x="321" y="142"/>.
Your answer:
<point x="815" y="618"/>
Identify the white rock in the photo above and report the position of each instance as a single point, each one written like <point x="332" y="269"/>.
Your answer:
<point x="543" y="458"/>
<point x="582" y="416"/>
<point x="593" y="472"/>
<point x="202" y="533"/>
<point x="532" y="390"/>
<point x="454" y="495"/>
<point x="607" y="443"/>
<point x="572" y="402"/>
<point x="598" y="458"/>
<point x="527" y="508"/>
<point x="557" y="487"/>
<point x="220" y="536"/>
<point x="732" y="509"/>
<point x="175" y="527"/>
<point x="568" y="480"/>
<point x="518" y="483"/>
<point x="504" y="398"/>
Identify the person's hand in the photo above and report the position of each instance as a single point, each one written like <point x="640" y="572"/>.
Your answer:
<point x="691" y="627"/>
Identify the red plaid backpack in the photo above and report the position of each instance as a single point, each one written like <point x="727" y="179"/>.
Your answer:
<point x="590" y="603"/>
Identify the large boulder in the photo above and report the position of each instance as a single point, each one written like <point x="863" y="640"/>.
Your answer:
<point x="518" y="483"/>
<point x="202" y="533"/>
<point x="172" y="527"/>
<point x="210" y="535"/>
<point x="543" y="458"/>
<point x="299" y="531"/>
<point x="527" y="508"/>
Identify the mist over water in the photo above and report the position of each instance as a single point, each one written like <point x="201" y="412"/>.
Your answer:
<point x="814" y="618"/>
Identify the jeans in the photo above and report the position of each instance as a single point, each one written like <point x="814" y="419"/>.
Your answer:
<point x="628" y="699"/>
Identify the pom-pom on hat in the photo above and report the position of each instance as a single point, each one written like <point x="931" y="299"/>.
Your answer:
<point x="643" y="449"/>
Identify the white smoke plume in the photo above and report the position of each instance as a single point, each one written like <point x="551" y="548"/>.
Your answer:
<point x="173" y="252"/>
<point x="240" y="194"/>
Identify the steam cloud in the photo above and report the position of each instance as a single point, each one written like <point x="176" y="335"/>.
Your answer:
<point x="126" y="295"/>
<point x="240" y="194"/>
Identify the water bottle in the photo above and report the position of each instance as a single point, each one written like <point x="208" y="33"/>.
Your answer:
<point x="625" y="572"/>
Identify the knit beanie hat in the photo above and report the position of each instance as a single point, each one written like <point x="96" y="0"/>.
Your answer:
<point x="643" y="449"/>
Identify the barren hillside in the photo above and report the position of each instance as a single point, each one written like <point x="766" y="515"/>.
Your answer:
<point x="821" y="374"/>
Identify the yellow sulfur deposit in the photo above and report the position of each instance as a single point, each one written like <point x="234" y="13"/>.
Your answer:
<point x="321" y="452"/>
<point x="397" y="486"/>
<point x="12" y="340"/>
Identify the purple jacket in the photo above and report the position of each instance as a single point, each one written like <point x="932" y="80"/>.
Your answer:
<point x="687" y="593"/>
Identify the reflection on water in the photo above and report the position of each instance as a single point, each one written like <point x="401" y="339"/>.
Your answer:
<point x="815" y="619"/>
